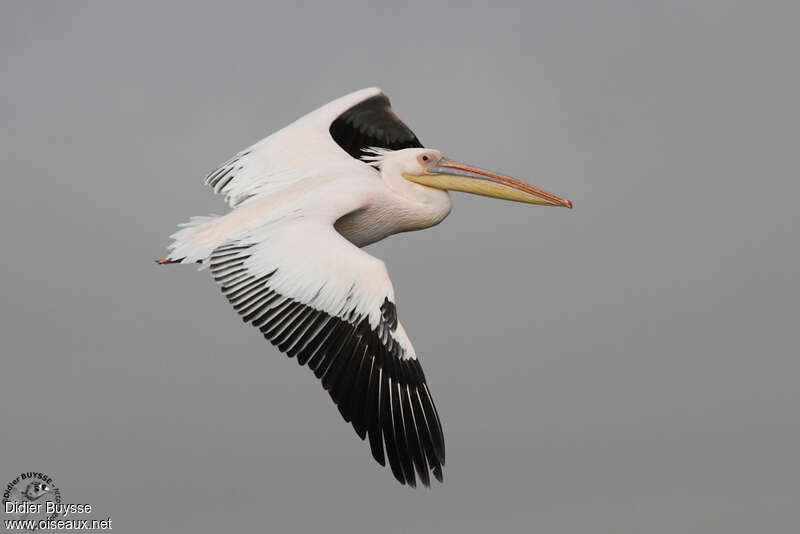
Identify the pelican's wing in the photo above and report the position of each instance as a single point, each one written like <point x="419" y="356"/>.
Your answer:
<point x="316" y="296"/>
<point x="336" y="132"/>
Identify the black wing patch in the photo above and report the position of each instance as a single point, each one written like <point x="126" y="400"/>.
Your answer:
<point x="372" y="123"/>
<point x="381" y="393"/>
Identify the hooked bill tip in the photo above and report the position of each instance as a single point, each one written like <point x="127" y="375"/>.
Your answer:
<point x="568" y="204"/>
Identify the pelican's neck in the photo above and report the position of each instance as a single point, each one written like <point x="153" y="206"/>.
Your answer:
<point x="423" y="206"/>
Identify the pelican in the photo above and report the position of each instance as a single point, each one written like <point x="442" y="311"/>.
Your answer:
<point x="288" y="258"/>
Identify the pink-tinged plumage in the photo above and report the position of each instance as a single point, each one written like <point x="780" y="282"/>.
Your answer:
<point x="288" y="258"/>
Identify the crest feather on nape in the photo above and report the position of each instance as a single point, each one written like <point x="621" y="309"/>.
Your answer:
<point x="375" y="155"/>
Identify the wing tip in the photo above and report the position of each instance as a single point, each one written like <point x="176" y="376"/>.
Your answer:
<point x="437" y="472"/>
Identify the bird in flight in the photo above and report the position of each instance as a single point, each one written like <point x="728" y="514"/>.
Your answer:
<point x="288" y="258"/>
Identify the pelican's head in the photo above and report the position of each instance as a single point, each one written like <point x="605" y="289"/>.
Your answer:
<point x="429" y="167"/>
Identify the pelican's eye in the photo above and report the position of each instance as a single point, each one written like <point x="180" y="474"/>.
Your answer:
<point x="426" y="160"/>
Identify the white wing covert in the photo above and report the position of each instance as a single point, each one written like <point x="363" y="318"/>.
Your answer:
<point x="336" y="132"/>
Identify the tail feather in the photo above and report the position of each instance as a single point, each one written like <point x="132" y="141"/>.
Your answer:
<point x="191" y="244"/>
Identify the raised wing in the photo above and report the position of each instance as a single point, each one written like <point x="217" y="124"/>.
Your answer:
<point x="317" y="297"/>
<point x="336" y="132"/>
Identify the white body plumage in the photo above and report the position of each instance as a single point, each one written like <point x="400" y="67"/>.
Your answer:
<point x="288" y="259"/>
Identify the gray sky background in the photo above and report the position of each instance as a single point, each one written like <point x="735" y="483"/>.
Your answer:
<point x="627" y="366"/>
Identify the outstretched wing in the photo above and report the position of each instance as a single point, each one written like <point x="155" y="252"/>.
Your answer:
<point x="319" y="298"/>
<point x="336" y="132"/>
